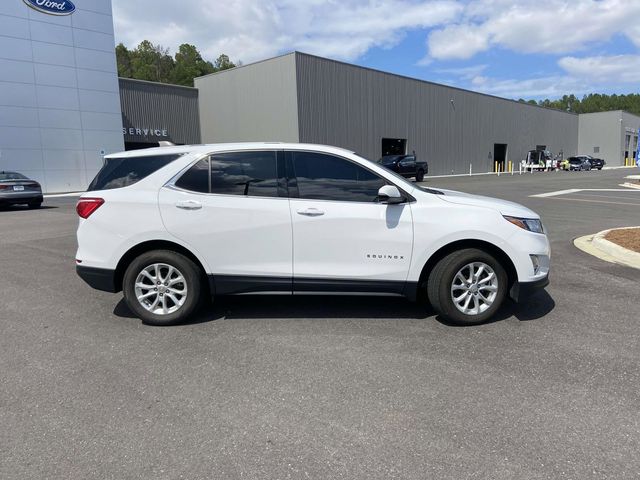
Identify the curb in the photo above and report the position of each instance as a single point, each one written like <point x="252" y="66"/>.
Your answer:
<point x="603" y="249"/>
<point x="630" y="185"/>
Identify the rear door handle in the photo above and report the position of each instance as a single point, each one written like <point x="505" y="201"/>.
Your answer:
<point x="311" y="212"/>
<point x="189" y="205"/>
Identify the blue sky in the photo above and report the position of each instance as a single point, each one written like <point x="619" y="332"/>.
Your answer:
<point x="511" y="48"/>
<point x="498" y="63"/>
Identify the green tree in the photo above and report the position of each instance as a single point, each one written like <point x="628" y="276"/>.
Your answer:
<point x="123" y="59"/>
<point x="223" y="63"/>
<point x="593" y="102"/>
<point x="153" y="62"/>
<point x="188" y="65"/>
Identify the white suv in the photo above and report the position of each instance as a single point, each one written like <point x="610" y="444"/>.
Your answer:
<point x="170" y="226"/>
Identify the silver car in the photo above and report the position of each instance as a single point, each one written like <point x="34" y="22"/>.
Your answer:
<point x="17" y="189"/>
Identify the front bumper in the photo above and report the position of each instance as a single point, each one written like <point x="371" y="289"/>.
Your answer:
<point x="98" y="278"/>
<point x="523" y="290"/>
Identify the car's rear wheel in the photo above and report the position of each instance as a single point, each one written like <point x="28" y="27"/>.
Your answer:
<point x="35" y="205"/>
<point x="467" y="287"/>
<point x="420" y="175"/>
<point x="162" y="287"/>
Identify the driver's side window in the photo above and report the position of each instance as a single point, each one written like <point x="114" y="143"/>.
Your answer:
<point x="322" y="176"/>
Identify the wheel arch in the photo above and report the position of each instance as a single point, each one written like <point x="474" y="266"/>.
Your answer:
<point x="445" y="250"/>
<point x="148" y="246"/>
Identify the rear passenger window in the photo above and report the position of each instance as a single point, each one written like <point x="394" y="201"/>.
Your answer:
<point x="326" y="177"/>
<point x="245" y="173"/>
<point x="196" y="179"/>
<point x="122" y="172"/>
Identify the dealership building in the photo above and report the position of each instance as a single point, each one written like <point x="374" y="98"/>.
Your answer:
<point x="63" y="107"/>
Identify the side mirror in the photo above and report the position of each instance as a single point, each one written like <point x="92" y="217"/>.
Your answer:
<point x="390" y="195"/>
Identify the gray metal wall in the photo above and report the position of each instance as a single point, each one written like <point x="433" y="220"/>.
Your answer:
<point x="601" y="131"/>
<point x="630" y="126"/>
<point x="156" y="106"/>
<point x="354" y="107"/>
<point x="255" y="102"/>
<point x="606" y="132"/>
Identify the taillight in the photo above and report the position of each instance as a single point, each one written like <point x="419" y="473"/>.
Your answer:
<point x="86" y="206"/>
<point x="4" y="187"/>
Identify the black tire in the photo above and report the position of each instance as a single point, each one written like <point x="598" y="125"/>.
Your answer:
<point x="441" y="279"/>
<point x="420" y="175"/>
<point x="193" y="278"/>
<point x="35" y="205"/>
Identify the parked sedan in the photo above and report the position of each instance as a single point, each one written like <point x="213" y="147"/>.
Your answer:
<point x="596" y="163"/>
<point x="579" y="164"/>
<point x="17" y="189"/>
<point x="405" y="165"/>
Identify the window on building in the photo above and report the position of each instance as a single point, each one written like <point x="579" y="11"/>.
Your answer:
<point x="196" y="179"/>
<point x="327" y="177"/>
<point x="245" y="173"/>
<point x="596" y="149"/>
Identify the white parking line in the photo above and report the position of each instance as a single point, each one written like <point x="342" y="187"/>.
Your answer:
<point x="556" y="193"/>
<point x="574" y="190"/>
<point x="56" y="195"/>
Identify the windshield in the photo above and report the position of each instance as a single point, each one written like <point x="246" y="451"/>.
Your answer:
<point x="122" y="172"/>
<point x="575" y="160"/>
<point x="12" y="176"/>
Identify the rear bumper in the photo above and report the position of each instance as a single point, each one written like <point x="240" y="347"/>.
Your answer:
<point x="522" y="290"/>
<point x="98" y="278"/>
<point x="22" y="198"/>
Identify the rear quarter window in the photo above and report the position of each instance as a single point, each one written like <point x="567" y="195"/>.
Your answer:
<point x="125" y="171"/>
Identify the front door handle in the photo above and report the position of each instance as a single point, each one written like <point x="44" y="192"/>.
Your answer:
<point x="311" y="212"/>
<point x="189" y="205"/>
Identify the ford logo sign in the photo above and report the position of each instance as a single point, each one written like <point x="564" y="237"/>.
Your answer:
<point x="52" y="7"/>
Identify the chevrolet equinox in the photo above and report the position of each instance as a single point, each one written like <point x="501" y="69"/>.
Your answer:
<point x="171" y="226"/>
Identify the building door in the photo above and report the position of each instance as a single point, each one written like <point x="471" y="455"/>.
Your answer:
<point x="394" y="146"/>
<point x="500" y="156"/>
<point x="627" y="142"/>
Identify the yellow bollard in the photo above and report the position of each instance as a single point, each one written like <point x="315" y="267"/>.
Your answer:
<point x="495" y="167"/>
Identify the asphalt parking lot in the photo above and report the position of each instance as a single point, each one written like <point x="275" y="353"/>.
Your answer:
<point x="322" y="387"/>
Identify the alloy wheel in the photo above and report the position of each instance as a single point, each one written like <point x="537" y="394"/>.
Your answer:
<point x="474" y="288"/>
<point x="161" y="288"/>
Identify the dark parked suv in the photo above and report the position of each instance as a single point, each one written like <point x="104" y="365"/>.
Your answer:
<point x="405" y="165"/>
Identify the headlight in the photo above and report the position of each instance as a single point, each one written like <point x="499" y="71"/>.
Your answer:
<point x="530" y="224"/>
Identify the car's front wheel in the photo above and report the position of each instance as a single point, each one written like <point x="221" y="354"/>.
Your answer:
<point x="467" y="287"/>
<point x="162" y="287"/>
